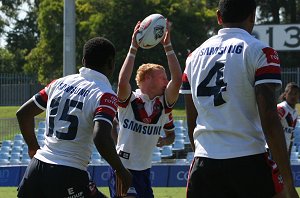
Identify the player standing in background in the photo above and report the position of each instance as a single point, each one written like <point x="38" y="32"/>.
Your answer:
<point x="230" y="82"/>
<point x="143" y="113"/>
<point x="80" y="109"/>
<point x="287" y="112"/>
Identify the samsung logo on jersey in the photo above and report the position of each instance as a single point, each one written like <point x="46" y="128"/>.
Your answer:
<point x="139" y="128"/>
<point x="73" y="90"/>
<point x="237" y="49"/>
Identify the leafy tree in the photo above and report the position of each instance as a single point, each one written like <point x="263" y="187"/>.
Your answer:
<point x="24" y="36"/>
<point x="7" y="65"/>
<point x="46" y="58"/>
<point x="115" y="20"/>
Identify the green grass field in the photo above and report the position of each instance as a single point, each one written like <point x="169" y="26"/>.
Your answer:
<point x="159" y="192"/>
<point x="171" y="192"/>
<point x="10" y="112"/>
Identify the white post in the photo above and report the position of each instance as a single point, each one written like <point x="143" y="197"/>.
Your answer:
<point x="69" y="59"/>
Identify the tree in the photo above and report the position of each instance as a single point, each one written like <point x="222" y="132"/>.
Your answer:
<point x="115" y="20"/>
<point x="46" y="57"/>
<point x="7" y="65"/>
<point x="24" y="36"/>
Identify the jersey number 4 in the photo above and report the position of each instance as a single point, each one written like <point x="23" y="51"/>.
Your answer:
<point x="220" y="85"/>
<point x="73" y="126"/>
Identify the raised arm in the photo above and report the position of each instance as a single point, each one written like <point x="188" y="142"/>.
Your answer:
<point x="124" y="88"/>
<point x="266" y="101"/>
<point x="172" y="90"/>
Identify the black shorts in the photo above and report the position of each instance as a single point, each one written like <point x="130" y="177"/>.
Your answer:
<point x="244" y="177"/>
<point x="49" y="181"/>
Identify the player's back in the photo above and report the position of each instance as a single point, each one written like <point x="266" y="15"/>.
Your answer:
<point x="71" y="107"/>
<point x="222" y="73"/>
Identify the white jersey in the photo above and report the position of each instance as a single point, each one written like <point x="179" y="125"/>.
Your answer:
<point x="288" y="117"/>
<point x="73" y="103"/>
<point x="141" y="121"/>
<point x="221" y="75"/>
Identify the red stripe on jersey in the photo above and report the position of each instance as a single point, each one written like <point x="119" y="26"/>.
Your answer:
<point x="184" y="78"/>
<point x="44" y="95"/>
<point x="51" y="83"/>
<point x="280" y="111"/>
<point x="170" y="116"/>
<point x="268" y="70"/>
<point x="277" y="178"/>
<point x="109" y="99"/>
<point x="271" y="55"/>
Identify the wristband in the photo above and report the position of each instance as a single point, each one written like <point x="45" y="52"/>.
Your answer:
<point x="131" y="55"/>
<point x="132" y="47"/>
<point x="170" y="52"/>
<point x="167" y="45"/>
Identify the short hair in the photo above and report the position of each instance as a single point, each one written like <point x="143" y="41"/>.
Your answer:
<point x="288" y="87"/>
<point x="236" y="11"/>
<point x="145" y="69"/>
<point x="97" y="52"/>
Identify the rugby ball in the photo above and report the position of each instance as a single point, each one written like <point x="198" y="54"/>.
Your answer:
<point x="151" y="31"/>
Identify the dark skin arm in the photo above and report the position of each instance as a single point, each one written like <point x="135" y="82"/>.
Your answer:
<point x="106" y="147"/>
<point x="25" y="116"/>
<point x="114" y="132"/>
<point x="272" y="128"/>
<point x="191" y="116"/>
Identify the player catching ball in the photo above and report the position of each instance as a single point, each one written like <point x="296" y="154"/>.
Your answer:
<point x="143" y="113"/>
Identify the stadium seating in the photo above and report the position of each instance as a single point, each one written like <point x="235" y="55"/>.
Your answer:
<point x="14" y="161"/>
<point x="5" y="149"/>
<point x="4" y="156"/>
<point x="18" y="137"/>
<point x="4" y="161"/>
<point x="156" y="157"/>
<point x="41" y="124"/>
<point x="15" y="151"/>
<point x="166" y="152"/>
<point x="178" y="145"/>
<point x="15" y="156"/>
<point x="7" y="143"/>
<point x="18" y="143"/>
<point x="189" y="157"/>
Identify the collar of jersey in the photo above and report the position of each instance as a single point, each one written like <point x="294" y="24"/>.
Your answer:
<point x="145" y="96"/>
<point x="232" y="30"/>
<point x="288" y="106"/>
<point x="97" y="76"/>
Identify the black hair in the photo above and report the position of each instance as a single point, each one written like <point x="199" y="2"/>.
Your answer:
<point x="98" y="52"/>
<point x="236" y="11"/>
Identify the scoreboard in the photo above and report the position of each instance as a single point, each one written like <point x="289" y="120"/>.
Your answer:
<point x="280" y="37"/>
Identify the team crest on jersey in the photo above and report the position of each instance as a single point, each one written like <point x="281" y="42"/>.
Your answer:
<point x="147" y="120"/>
<point x="271" y="55"/>
<point x="109" y="100"/>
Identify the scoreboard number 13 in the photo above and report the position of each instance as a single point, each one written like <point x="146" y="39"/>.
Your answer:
<point x="279" y="37"/>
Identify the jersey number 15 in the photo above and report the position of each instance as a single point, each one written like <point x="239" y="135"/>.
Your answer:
<point x="73" y="127"/>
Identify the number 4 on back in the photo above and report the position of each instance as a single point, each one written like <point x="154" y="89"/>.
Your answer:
<point x="220" y="85"/>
